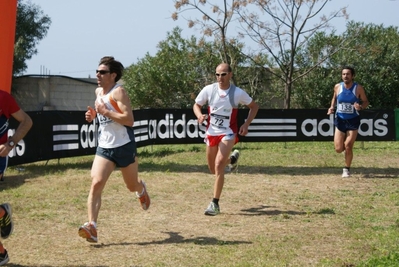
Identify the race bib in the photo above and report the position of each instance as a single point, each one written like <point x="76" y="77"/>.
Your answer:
<point x="345" y="108"/>
<point x="220" y="121"/>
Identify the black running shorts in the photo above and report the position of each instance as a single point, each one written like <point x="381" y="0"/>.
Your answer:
<point x="122" y="156"/>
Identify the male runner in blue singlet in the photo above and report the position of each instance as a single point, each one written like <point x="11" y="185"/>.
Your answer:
<point x="349" y="98"/>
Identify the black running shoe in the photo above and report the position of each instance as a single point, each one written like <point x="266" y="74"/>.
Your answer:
<point x="4" y="258"/>
<point x="6" y="223"/>
<point x="233" y="161"/>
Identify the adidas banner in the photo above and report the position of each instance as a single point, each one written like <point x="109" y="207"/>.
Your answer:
<point x="60" y="134"/>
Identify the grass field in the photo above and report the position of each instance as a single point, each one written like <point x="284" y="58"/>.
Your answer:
<point x="287" y="205"/>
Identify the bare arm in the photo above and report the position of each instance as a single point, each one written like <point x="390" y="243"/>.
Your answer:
<point x="125" y="116"/>
<point x="253" y="110"/>
<point x="362" y="96"/>
<point x="91" y="114"/>
<point x="198" y="113"/>
<point x="25" y="123"/>
<point x="334" y="98"/>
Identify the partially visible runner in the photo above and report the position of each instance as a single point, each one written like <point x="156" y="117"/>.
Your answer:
<point x="9" y="108"/>
<point x="116" y="143"/>
<point x="349" y="98"/>
<point x="222" y="131"/>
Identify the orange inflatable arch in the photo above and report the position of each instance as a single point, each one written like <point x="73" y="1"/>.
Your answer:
<point x="8" y="18"/>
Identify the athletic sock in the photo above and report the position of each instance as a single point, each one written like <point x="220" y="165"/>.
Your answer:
<point x="216" y="201"/>
<point x="142" y="192"/>
<point x="233" y="159"/>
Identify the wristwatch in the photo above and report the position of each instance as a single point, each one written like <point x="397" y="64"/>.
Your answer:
<point x="11" y="143"/>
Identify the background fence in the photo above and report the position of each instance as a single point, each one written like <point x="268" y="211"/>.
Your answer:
<point x="60" y="134"/>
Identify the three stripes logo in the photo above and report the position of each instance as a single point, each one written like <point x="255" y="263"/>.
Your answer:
<point x="141" y="132"/>
<point x="272" y="128"/>
<point x="65" y="137"/>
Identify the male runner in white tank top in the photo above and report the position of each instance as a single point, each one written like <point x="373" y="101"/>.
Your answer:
<point x="222" y="130"/>
<point x="116" y="143"/>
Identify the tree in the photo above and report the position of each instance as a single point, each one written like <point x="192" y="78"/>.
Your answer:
<point x="314" y="90"/>
<point x="31" y="27"/>
<point x="171" y="78"/>
<point x="213" y="25"/>
<point x="182" y="67"/>
<point x="375" y="56"/>
<point x="279" y="39"/>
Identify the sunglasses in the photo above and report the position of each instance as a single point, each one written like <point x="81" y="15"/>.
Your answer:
<point x="102" y="71"/>
<point x="221" y="74"/>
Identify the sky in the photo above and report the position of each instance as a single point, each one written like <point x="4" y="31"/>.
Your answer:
<point x="83" y="31"/>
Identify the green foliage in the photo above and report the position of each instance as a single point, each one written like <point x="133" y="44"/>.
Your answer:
<point x="259" y="82"/>
<point x="314" y="90"/>
<point x="375" y="56"/>
<point x="31" y="27"/>
<point x="390" y="260"/>
<point x="172" y="77"/>
<point x="373" y="53"/>
<point x="182" y="67"/>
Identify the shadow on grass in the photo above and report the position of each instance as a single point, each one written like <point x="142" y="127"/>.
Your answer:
<point x="364" y="172"/>
<point x="33" y="171"/>
<point x="268" y="211"/>
<point x="176" y="238"/>
<point x="19" y="265"/>
<point x="263" y="210"/>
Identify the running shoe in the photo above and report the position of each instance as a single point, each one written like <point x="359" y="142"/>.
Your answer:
<point x="345" y="173"/>
<point x="4" y="258"/>
<point x="233" y="161"/>
<point x="144" y="198"/>
<point x="6" y="224"/>
<point x="89" y="232"/>
<point x="212" y="210"/>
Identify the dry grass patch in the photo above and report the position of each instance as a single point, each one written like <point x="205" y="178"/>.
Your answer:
<point x="286" y="206"/>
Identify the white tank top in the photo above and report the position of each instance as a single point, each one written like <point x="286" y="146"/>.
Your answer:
<point x="222" y="108"/>
<point x="110" y="133"/>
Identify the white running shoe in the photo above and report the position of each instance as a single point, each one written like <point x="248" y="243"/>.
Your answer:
<point x="89" y="232"/>
<point x="212" y="209"/>
<point x="345" y="173"/>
